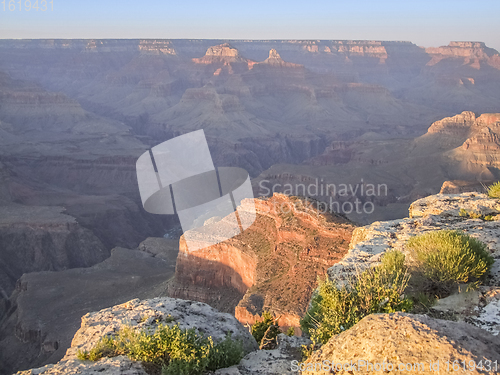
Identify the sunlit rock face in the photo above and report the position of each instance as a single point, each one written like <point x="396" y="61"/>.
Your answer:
<point x="273" y="265"/>
<point x="472" y="53"/>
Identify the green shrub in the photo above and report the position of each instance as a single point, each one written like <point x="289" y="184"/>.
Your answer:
<point x="376" y="290"/>
<point x="290" y="332"/>
<point x="474" y="215"/>
<point x="450" y="257"/>
<point x="266" y="331"/>
<point x="494" y="190"/>
<point x="260" y="328"/>
<point x="225" y="354"/>
<point x="103" y="348"/>
<point x="169" y="348"/>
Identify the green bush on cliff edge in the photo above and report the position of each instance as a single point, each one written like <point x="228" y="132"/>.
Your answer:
<point x="494" y="190"/>
<point x="380" y="289"/>
<point x="448" y="257"/>
<point x="168" y="349"/>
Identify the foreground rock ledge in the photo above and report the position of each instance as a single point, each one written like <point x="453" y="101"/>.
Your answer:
<point x="436" y="212"/>
<point x="142" y="314"/>
<point x="408" y="339"/>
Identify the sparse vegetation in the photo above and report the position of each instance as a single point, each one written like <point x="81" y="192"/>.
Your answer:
<point x="494" y="190"/>
<point x="463" y="213"/>
<point x="266" y="331"/>
<point x="449" y="257"/>
<point x="307" y="350"/>
<point x="169" y="349"/>
<point x="474" y="215"/>
<point x="376" y="290"/>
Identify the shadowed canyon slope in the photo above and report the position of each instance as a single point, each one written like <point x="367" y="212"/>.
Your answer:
<point x="273" y="265"/>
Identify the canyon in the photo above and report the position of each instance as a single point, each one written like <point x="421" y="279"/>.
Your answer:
<point x="469" y="333"/>
<point x="76" y="114"/>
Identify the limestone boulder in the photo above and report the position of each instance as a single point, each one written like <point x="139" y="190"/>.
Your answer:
<point x="407" y="343"/>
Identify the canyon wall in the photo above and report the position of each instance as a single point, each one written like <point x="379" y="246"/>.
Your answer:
<point x="273" y="265"/>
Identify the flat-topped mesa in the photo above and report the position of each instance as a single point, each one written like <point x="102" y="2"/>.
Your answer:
<point x="222" y="53"/>
<point x="156" y="47"/>
<point x="361" y="48"/>
<point x="467" y="44"/>
<point x="473" y="53"/>
<point x="463" y="49"/>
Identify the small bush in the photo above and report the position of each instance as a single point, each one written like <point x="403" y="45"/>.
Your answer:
<point x="266" y="331"/>
<point x="169" y="348"/>
<point x="474" y="215"/>
<point x="290" y="332"/>
<point x="376" y="290"/>
<point x="307" y="350"/>
<point x="225" y="354"/>
<point x="260" y="328"/>
<point x="450" y="257"/>
<point x="494" y="190"/>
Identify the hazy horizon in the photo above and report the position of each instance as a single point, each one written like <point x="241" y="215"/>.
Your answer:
<point x="425" y="23"/>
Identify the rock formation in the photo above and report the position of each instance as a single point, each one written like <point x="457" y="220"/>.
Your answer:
<point x="42" y="239"/>
<point x="157" y="47"/>
<point x="273" y="265"/>
<point x="226" y="55"/>
<point x="460" y="186"/>
<point x="406" y="343"/>
<point x="275" y="59"/>
<point x="435" y="212"/>
<point x="142" y="315"/>
<point x="458" y="125"/>
<point x="473" y="53"/>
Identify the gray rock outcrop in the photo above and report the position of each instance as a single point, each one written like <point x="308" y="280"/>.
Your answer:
<point x="410" y="343"/>
<point x="142" y="314"/>
<point x="435" y="212"/>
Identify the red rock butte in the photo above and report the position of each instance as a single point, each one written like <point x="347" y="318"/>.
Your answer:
<point x="273" y="265"/>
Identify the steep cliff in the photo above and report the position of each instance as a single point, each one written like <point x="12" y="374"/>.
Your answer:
<point x="42" y="239"/>
<point x="45" y="309"/>
<point x="273" y="265"/>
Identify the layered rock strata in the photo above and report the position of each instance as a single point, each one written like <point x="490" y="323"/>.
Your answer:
<point x="273" y="265"/>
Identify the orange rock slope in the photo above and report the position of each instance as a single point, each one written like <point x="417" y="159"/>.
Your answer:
<point x="273" y="265"/>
